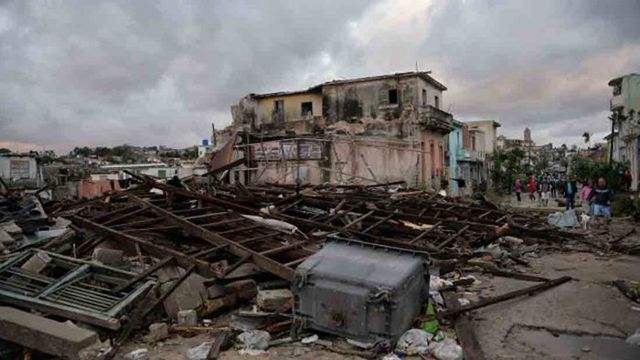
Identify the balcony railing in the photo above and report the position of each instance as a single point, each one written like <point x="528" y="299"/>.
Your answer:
<point x="435" y="119"/>
<point x="617" y="102"/>
<point x="469" y="155"/>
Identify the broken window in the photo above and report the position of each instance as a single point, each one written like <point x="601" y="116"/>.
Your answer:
<point x="306" y="108"/>
<point x="278" y="111"/>
<point x="393" y="96"/>
<point x="617" y="89"/>
<point x="436" y="102"/>
<point x="424" y="97"/>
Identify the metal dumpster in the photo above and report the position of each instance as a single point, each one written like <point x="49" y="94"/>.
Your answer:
<point x="369" y="293"/>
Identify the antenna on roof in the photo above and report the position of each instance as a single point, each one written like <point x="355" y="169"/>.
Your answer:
<point x="416" y="65"/>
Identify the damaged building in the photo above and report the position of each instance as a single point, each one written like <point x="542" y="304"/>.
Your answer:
<point x="372" y="129"/>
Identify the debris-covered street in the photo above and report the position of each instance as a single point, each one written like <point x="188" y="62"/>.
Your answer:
<point x="162" y="271"/>
<point x="319" y="180"/>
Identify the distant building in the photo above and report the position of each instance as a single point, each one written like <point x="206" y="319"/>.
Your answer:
<point x="490" y="130"/>
<point x="527" y="135"/>
<point x="20" y="170"/>
<point x="625" y="108"/>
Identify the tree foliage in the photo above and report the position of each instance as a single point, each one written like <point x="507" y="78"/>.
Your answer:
<point x="585" y="169"/>
<point x="507" y="166"/>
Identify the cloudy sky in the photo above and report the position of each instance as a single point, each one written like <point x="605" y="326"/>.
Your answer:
<point x="159" y="72"/>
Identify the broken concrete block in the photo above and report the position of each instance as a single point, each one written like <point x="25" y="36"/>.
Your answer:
<point x="37" y="262"/>
<point x="187" y="318"/>
<point x="243" y="270"/>
<point x="215" y="291"/>
<point x="108" y="256"/>
<point x="140" y="354"/>
<point x="274" y="300"/>
<point x="222" y="302"/>
<point x="199" y="352"/>
<point x="42" y="334"/>
<point x="157" y="332"/>
<point x="6" y="238"/>
<point x="190" y="294"/>
<point x="243" y="290"/>
<point x="12" y="229"/>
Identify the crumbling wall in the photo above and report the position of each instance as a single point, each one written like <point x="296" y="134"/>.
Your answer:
<point x="244" y="113"/>
<point x="389" y="160"/>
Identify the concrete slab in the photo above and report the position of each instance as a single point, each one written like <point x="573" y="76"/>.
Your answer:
<point x="42" y="334"/>
<point x="585" y="311"/>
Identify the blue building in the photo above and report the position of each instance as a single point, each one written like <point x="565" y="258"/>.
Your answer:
<point x="456" y="147"/>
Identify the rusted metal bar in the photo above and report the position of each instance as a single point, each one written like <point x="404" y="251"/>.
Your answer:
<point x="510" y="295"/>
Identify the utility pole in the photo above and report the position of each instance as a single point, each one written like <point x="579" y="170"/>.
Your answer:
<point x="613" y="123"/>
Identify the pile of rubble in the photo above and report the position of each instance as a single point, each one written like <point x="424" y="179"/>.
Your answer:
<point x="374" y="270"/>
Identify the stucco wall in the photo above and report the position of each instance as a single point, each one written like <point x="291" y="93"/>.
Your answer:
<point x="292" y="107"/>
<point x="456" y="137"/>
<point x="371" y="98"/>
<point x="490" y="131"/>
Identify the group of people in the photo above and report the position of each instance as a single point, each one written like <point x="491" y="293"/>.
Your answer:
<point x="595" y="198"/>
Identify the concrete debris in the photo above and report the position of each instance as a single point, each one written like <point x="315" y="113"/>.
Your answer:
<point x="333" y="257"/>
<point x="6" y="238"/>
<point x="187" y="318"/>
<point x="112" y="257"/>
<point x="37" y="263"/>
<point x="275" y="300"/>
<point x="254" y="342"/>
<point x="157" y="332"/>
<point x="42" y="334"/>
<point x="199" y="352"/>
<point x="189" y="295"/>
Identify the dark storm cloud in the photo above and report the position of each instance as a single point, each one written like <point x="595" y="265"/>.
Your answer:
<point x="158" y="72"/>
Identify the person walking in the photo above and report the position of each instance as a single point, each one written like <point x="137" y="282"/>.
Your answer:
<point x="545" y="190"/>
<point x="584" y="197"/>
<point x="532" y="188"/>
<point x="554" y="186"/>
<point x="518" y="188"/>
<point x="570" y="193"/>
<point x="601" y="195"/>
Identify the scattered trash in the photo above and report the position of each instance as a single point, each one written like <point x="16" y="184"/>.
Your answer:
<point x="413" y="342"/>
<point x="309" y="339"/>
<point x="634" y="339"/>
<point x="447" y="349"/>
<point x="564" y="219"/>
<point x="139" y="354"/>
<point x="391" y="356"/>
<point x="430" y="326"/>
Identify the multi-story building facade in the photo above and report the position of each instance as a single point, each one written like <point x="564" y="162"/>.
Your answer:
<point x="625" y="117"/>
<point x="379" y="128"/>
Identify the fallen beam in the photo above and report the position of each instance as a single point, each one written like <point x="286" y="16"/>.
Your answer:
<point x="504" y="297"/>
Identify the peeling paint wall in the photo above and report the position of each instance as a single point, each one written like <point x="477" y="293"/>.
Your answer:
<point x="371" y="99"/>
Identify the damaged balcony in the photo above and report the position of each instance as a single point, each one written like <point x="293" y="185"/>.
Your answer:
<point x="435" y="119"/>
